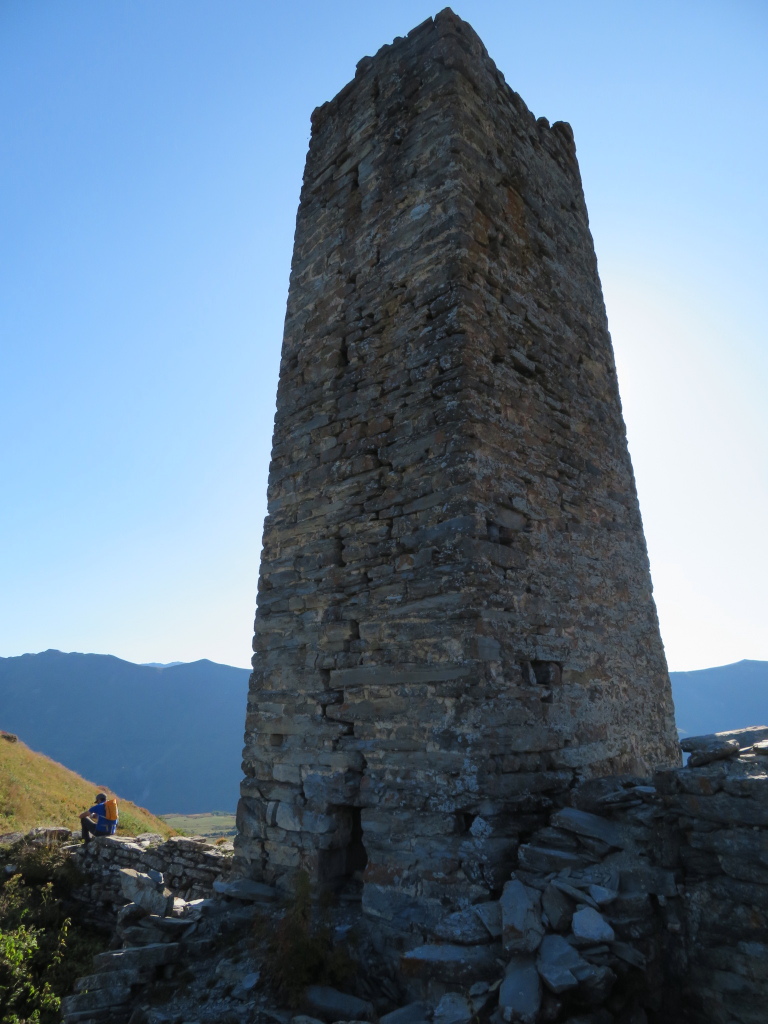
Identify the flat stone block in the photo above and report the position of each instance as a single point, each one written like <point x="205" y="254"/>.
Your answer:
<point x="520" y="992"/>
<point x="463" y="927"/>
<point x="585" y="824"/>
<point x="451" y="962"/>
<point x="522" y="928"/>
<point x="331" y="1005"/>
<point x="413" y="1013"/>
<point x="590" y="928"/>
<point x="246" y="889"/>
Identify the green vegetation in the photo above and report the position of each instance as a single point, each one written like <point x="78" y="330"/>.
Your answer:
<point x="41" y="951"/>
<point x="212" y="824"/>
<point x="34" y="790"/>
<point x="300" y="950"/>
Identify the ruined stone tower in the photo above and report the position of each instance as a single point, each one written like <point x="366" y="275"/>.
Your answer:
<point x="455" y="617"/>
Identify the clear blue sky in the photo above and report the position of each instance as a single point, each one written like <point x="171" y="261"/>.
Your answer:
<point x="150" y="163"/>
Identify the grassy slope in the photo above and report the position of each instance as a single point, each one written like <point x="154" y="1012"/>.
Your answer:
<point x="34" y="790"/>
<point x="213" y="825"/>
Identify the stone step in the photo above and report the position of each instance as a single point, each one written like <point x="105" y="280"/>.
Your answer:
<point x="113" y="1015"/>
<point x="105" y="979"/>
<point x="142" y="958"/>
<point x="106" y="998"/>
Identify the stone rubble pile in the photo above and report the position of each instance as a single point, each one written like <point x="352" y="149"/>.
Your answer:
<point x="158" y="896"/>
<point x="643" y="900"/>
<point x="574" y="927"/>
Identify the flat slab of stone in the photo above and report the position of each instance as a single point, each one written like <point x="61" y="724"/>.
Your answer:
<point x="48" y="835"/>
<point x="453" y="1008"/>
<point x="583" y="823"/>
<point x="464" y="927"/>
<point x="137" y="957"/>
<point x="9" y="838"/>
<point x="331" y="1005"/>
<point x="577" y="895"/>
<point x="413" y="1013"/>
<point x="246" y="985"/>
<point x="520" y="991"/>
<point x="745" y="737"/>
<point x="106" y="979"/>
<point x="172" y="925"/>
<point x="556" y="962"/>
<point x="558" y="908"/>
<point x="490" y="915"/>
<point x="145" y="838"/>
<point x="451" y="962"/>
<point x="718" y="750"/>
<point x="590" y="928"/>
<point x="601" y="895"/>
<point x="522" y="928"/>
<point x="95" y="999"/>
<point x="145" y="892"/>
<point x="245" y="889"/>
<point x="546" y="859"/>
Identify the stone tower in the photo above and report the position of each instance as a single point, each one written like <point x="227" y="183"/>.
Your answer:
<point x="455" y="618"/>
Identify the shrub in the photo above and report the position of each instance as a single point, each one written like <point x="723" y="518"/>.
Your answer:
<point x="41" y="952"/>
<point x="300" y="950"/>
<point x="40" y="864"/>
<point x="25" y="993"/>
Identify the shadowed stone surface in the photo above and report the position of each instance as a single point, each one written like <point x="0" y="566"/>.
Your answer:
<point x="455" y="616"/>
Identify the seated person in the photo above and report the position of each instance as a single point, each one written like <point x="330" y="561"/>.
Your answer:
<point x="101" y="826"/>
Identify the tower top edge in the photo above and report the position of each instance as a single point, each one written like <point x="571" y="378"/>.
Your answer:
<point x="444" y="37"/>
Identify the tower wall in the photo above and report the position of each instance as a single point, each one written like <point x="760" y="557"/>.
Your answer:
<point x="455" y="617"/>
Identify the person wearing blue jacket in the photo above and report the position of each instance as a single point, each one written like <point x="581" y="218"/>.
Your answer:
<point x="94" y="821"/>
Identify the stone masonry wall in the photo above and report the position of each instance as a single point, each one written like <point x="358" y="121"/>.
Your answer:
<point x="716" y="821"/>
<point x="189" y="866"/>
<point x="455" y="619"/>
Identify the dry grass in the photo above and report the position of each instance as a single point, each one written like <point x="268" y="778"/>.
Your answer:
<point x="34" y="790"/>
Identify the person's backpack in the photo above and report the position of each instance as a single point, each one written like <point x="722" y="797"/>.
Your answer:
<point x="110" y="814"/>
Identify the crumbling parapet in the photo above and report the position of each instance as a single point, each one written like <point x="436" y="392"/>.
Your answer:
<point x="189" y="865"/>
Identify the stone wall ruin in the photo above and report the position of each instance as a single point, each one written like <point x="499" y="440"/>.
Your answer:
<point x="455" y="620"/>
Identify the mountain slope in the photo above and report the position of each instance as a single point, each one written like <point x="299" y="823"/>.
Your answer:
<point x="716" y="699"/>
<point x="34" y="790"/>
<point x="168" y="738"/>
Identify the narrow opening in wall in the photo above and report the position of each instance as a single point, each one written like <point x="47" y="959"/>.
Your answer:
<point x="342" y="867"/>
<point x="464" y="822"/>
<point x="547" y="673"/>
<point x="357" y="855"/>
<point x="276" y="739"/>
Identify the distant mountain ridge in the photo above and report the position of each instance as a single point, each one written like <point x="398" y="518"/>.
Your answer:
<point x="721" y="698"/>
<point x="170" y="739"/>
